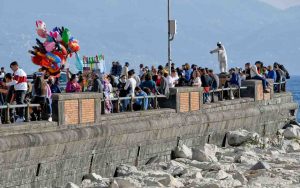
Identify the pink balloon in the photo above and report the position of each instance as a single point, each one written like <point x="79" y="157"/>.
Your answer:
<point x="55" y="35"/>
<point x="49" y="46"/>
<point x="41" y="28"/>
<point x="41" y="33"/>
<point x="40" y="25"/>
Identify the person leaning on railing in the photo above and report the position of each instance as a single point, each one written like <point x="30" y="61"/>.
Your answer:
<point x="20" y="86"/>
<point x="7" y="94"/>
<point x="41" y="93"/>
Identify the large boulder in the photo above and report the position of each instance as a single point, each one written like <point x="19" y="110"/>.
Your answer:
<point x="71" y="185"/>
<point x="206" y="154"/>
<point x="125" y="170"/>
<point x="182" y="151"/>
<point x="218" y="175"/>
<point x="246" y="157"/>
<point x="93" y="177"/>
<point x="241" y="136"/>
<point x="291" y="146"/>
<point x="126" y="182"/>
<point x="214" y="166"/>
<point x="240" y="177"/>
<point x="292" y="132"/>
<point x="175" y="168"/>
<point x="165" y="179"/>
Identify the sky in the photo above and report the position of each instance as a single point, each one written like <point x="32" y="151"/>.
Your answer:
<point x="135" y="30"/>
<point x="283" y="4"/>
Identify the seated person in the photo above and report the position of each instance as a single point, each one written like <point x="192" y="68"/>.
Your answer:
<point x="139" y="103"/>
<point x="256" y="76"/>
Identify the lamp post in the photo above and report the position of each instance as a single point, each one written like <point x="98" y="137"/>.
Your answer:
<point x="169" y="41"/>
<point x="171" y="34"/>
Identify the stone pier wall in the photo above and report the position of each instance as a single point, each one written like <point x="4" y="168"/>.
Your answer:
<point x="48" y="155"/>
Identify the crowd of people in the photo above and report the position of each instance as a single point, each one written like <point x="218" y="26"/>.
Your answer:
<point x="125" y="82"/>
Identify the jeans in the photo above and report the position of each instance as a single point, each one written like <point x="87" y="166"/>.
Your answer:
<point x="20" y="97"/>
<point x="46" y="109"/>
<point x="264" y="81"/>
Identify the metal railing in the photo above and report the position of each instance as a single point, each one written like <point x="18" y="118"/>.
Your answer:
<point x="222" y="90"/>
<point x="131" y="102"/>
<point x="279" y="86"/>
<point x="7" y="110"/>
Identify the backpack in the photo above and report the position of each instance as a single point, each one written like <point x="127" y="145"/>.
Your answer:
<point x="287" y="74"/>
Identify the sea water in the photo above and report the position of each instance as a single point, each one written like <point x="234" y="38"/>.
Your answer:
<point x="293" y="85"/>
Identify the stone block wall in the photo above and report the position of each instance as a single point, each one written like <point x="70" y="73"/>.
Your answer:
<point x="53" y="156"/>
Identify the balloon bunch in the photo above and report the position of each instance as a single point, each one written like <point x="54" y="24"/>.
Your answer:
<point x="54" y="51"/>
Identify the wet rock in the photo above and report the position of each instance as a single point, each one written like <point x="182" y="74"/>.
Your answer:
<point x="240" y="137"/>
<point x="261" y="165"/>
<point x="206" y="154"/>
<point x="71" y="185"/>
<point x="182" y="151"/>
<point x="292" y="132"/>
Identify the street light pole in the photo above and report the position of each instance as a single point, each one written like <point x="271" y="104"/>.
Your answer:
<point x="169" y="41"/>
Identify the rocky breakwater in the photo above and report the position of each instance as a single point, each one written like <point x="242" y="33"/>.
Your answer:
<point x="248" y="160"/>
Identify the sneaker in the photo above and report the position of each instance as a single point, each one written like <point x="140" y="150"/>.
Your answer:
<point x="20" y="120"/>
<point x="50" y="119"/>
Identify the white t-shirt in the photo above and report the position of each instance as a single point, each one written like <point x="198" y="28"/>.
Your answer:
<point x="254" y="72"/>
<point x="19" y="81"/>
<point x="2" y="74"/>
<point x="197" y="82"/>
<point x="132" y="84"/>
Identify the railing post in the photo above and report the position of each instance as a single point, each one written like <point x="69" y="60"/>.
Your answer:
<point x="7" y="115"/>
<point x="279" y="87"/>
<point x="27" y="111"/>
<point x="155" y="101"/>
<point x="118" y="105"/>
<point x="239" y="92"/>
<point x="222" y="93"/>
<point x="213" y="96"/>
<point x="131" y="103"/>
<point x="230" y="93"/>
<point x="144" y="102"/>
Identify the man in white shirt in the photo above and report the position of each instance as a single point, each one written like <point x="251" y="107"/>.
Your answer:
<point x="2" y="73"/>
<point x="125" y="69"/>
<point x="20" y="85"/>
<point x="130" y="84"/>
<point x="172" y="79"/>
<point x="222" y="56"/>
<point x="256" y="76"/>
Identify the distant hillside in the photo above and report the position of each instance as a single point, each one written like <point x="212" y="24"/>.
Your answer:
<point x="135" y="30"/>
